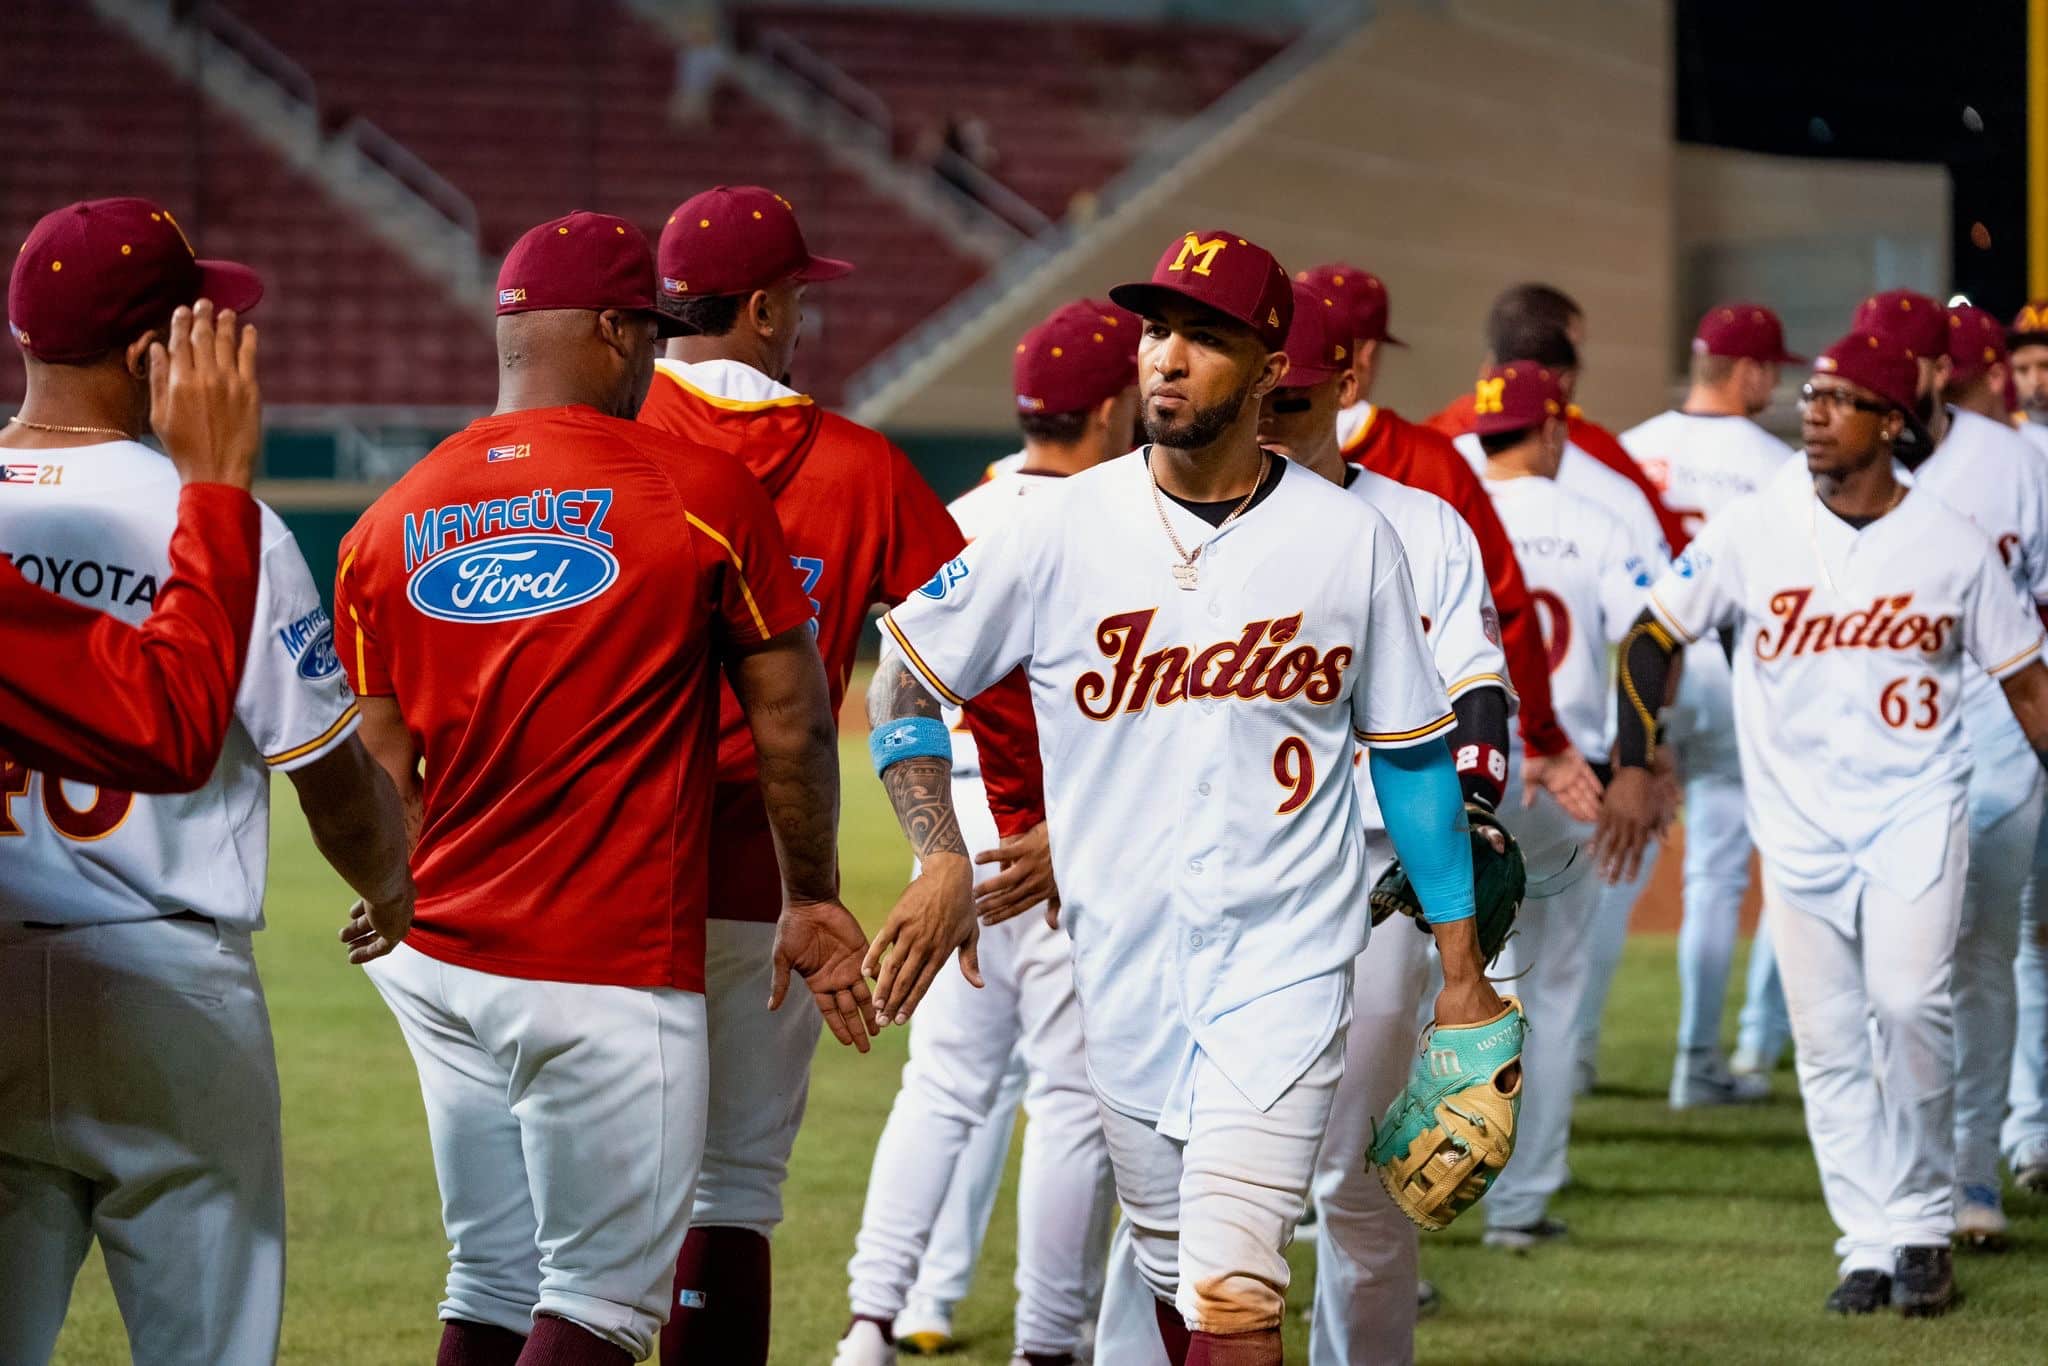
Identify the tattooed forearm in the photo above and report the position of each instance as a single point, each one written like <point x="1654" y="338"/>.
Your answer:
<point x="781" y="687"/>
<point x="921" y="790"/>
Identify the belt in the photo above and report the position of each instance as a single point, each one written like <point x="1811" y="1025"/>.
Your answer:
<point x="192" y="916"/>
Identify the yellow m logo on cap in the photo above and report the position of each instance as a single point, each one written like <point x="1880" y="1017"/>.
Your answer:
<point x="1196" y="247"/>
<point x="1486" y="395"/>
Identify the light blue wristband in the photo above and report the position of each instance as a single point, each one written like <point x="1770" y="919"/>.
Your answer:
<point x="913" y="737"/>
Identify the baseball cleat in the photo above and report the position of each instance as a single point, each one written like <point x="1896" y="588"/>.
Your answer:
<point x="2030" y="1167"/>
<point x="1980" y="1219"/>
<point x="1861" y="1292"/>
<point x="1526" y="1237"/>
<point x="925" y="1326"/>
<point x="864" y="1345"/>
<point x="1700" y="1078"/>
<point x="1923" y="1281"/>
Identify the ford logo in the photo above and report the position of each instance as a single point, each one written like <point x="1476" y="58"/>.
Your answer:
<point x="319" y="660"/>
<point x="509" y="577"/>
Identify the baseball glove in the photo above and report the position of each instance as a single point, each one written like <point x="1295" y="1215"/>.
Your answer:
<point x="1499" y="882"/>
<point x="1452" y="1128"/>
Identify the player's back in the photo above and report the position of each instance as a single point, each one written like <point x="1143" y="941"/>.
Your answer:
<point x="1988" y="473"/>
<point x="1580" y="474"/>
<point x="1587" y="581"/>
<point x="544" y="595"/>
<point x="94" y="524"/>
<point x="1704" y="461"/>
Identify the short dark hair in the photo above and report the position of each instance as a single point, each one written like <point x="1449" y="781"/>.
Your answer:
<point x="1055" y="429"/>
<point x="1493" y="443"/>
<point x="1533" y="322"/>
<point x="1712" y="369"/>
<point x="708" y="315"/>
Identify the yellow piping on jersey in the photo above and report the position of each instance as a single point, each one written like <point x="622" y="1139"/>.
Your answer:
<point x="733" y="405"/>
<point x="754" y="608"/>
<point x="299" y="751"/>
<point x="1671" y="618"/>
<point x="1474" y="681"/>
<point x="1997" y="669"/>
<point x="917" y="662"/>
<point x="1664" y="641"/>
<point x="1436" y="727"/>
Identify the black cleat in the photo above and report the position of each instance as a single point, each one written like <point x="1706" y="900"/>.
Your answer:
<point x="1924" y="1281"/>
<point x="1861" y="1292"/>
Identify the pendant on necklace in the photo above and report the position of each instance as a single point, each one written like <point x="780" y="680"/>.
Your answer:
<point x="1184" y="575"/>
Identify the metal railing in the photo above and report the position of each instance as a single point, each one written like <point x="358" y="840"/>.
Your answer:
<point x="406" y="167"/>
<point x="264" y="56"/>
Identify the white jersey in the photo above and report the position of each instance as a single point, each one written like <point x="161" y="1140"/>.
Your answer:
<point x="2036" y="434"/>
<point x="1587" y="578"/>
<point x="1198" y="744"/>
<point x="1700" y="463"/>
<point x="1852" y="649"/>
<point x="1458" y="619"/>
<point x="1988" y="473"/>
<point x="1583" y="475"/>
<point x="95" y="525"/>
<point x="1352" y="420"/>
<point x="976" y="512"/>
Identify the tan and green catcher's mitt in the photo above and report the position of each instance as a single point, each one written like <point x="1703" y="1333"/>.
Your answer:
<point x="1452" y="1128"/>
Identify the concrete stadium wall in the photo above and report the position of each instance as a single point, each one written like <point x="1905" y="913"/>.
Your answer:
<point x="1452" y="148"/>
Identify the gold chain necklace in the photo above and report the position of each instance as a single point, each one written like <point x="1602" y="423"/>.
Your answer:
<point x="1185" y="573"/>
<point x="1813" y="531"/>
<point x="75" y="431"/>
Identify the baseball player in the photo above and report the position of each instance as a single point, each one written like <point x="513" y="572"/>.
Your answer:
<point x="862" y="527"/>
<point x="1367" y="1275"/>
<point x="1075" y="384"/>
<point x="535" y="613"/>
<point x="2026" y="342"/>
<point x="1703" y="455"/>
<point x="1588" y="570"/>
<point x="1860" y="605"/>
<point x="1979" y="468"/>
<point x="1386" y="443"/>
<point x="1543" y="323"/>
<point x="159" y="722"/>
<point x="1199" y="677"/>
<point x="138" y="1088"/>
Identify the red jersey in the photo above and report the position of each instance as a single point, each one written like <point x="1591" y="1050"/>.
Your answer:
<point x="141" y="709"/>
<point x="1390" y="445"/>
<point x="545" y="595"/>
<point x="1595" y="440"/>
<point x="862" y="528"/>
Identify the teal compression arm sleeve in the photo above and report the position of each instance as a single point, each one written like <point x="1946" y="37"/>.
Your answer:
<point x="1425" y="813"/>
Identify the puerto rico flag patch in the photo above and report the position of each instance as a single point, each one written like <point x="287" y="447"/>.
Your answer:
<point x="497" y="453"/>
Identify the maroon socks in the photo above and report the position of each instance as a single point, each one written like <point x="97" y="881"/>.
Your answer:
<point x="477" y="1344"/>
<point x="720" y="1314"/>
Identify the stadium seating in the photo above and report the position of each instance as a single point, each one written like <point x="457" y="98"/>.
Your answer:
<point x="545" y="106"/>
<point x="1069" y="102"/>
<point x="344" y="319"/>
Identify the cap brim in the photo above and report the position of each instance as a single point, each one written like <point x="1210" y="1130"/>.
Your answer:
<point x="823" y="268"/>
<point x="1787" y="358"/>
<point x="1144" y="298"/>
<point x="1301" y="376"/>
<point x="667" y="324"/>
<point x="230" y="285"/>
<point x="1391" y="340"/>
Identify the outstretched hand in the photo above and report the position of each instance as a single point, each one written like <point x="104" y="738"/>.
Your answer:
<point x="822" y="943"/>
<point x="934" y="916"/>
<point x="1025" y="881"/>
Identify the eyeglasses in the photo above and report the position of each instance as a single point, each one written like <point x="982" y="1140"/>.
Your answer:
<point x="1826" y="399"/>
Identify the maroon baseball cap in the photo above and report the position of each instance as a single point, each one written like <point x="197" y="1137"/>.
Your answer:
<point x="1976" y="341"/>
<point x="1360" y="294"/>
<point x="588" y="261"/>
<point x="1085" y="352"/>
<point x="735" y="239"/>
<point x="1319" y="340"/>
<point x="1515" y="397"/>
<point x="1743" y="331"/>
<point x="1911" y="319"/>
<point x="2029" y="325"/>
<point x="1883" y="365"/>
<point x="95" y="275"/>
<point x="1221" y="271"/>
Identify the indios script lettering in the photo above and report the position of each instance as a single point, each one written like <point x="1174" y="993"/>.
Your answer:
<point x="1265" y="660"/>
<point x="1887" y="624"/>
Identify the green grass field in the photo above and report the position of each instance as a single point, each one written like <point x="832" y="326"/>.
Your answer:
<point x="1695" y="1238"/>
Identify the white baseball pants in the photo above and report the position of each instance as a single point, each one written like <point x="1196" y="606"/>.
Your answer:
<point x="1549" y="959"/>
<point x="1717" y="850"/>
<point x="2026" y="1123"/>
<point x="568" y="1123"/>
<point x="1210" y="1218"/>
<point x="760" y="1078"/>
<point x="1606" y="938"/>
<point x="961" y="1043"/>
<point x="1987" y="945"/>
<point x="1873" y="1023"/>
<point x="947" y="1270"/>
<point x="139" y="1106"/>
<point x="1367" y="1254"/>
